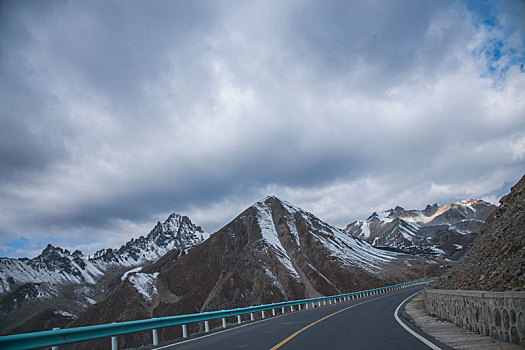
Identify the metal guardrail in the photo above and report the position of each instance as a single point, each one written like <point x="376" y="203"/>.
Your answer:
<point x="74" y="335"/>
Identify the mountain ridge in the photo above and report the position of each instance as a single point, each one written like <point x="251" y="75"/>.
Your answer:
<point x="446" y="231"/>
<point x="270" y="252"/>
<point x="58" y="282"/>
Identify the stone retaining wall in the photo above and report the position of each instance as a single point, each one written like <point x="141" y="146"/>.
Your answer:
<point x="497" y="314"/>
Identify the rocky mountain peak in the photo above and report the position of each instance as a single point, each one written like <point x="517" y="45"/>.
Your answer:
<point x="269" y="200"/>
<point x="430" y="207"/>
<point x="445" y="230"/>
<point x="374" y="215"/>
<point x="51" y="253"/>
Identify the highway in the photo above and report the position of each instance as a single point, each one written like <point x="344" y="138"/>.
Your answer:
<point x="366" y="323"/>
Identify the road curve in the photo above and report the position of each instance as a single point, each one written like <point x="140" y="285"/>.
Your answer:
<point x="366" y="323"/>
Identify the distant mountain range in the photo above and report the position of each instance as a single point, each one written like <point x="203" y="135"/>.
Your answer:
<point x="272" y="251"/>
<point x="69" y="282"/>
<point x="446" y="231"/>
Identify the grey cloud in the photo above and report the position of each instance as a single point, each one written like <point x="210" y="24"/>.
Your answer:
<point x="116" y="113"/>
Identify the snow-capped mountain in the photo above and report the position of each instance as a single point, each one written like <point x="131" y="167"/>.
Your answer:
<point x="446" y="231"/>
<point x="272" y="251"/>
<point x="56" y="265"/>
<point x="58" y="282"/>
<point x="177" y="232"/>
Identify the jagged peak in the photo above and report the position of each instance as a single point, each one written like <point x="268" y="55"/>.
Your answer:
<point x="175" y="216"/>
<point x="374" y="215"/>
<point x="430" y="207"/>
<point x="77" y="253"/>
<point x="52" y="249"/>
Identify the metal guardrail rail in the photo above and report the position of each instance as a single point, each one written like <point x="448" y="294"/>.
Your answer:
<point x="58" y="337"/>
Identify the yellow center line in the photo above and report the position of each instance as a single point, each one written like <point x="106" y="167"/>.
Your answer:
<point x="322" y="319"/>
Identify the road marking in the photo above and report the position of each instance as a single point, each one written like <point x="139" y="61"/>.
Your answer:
<point x="409" y="330"/>
<point x="324" y="318"/>
<point x="272" y="318"/>
<point x="223" y="331"/>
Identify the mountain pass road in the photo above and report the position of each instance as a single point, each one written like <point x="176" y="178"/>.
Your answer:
<point x="365" y="323"/>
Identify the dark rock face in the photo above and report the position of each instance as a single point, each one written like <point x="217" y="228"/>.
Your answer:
<point x="11" y="301"/>
<point x="48" y="319"/>
<point x="446" y="231"/>
<point x="496" y="261"/>
<point x="271" y="252"/>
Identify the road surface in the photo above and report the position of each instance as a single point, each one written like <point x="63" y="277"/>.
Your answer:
<point x="366" y="323"/>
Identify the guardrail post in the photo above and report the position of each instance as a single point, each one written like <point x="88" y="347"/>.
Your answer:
<point x="306" y="306"/>
<point x="184" y="331"/>
<point x="273" y="312"/>
<point x="206" y="326"/>
<point x="324" y="302"/>
<point x="55" y="347"/>
<point x="291" y="308"/>
<point x="262" y="313"/>
<point x="114" y="342"/>
<point x="329" y="301"/>
<point x="224" y="322"/>
<point x="318" y="304"/>
<point x="282" y="309"/>
<point x="299" y="307"/>
<point x="239" y="319"/>
<point x="251" y="316"/>
<point x="155" y="337"/>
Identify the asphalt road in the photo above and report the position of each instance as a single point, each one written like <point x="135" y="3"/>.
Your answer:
<point x="366" y="323"/>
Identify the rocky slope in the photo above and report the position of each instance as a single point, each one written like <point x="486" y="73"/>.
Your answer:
<point x="271" y="252"/>
<point x="496" y="261"/>
<point x="60" y="283"/>
<point x="446" y="231"/>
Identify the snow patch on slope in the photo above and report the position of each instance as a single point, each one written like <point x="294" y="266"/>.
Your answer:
<point x="125" y="275"/>
<point x="269" y="234"/>
<point x="344" y="247"/>
<point x="274" y="280"/>
<point x="144" y="283"/>
<point x="64" y="313"/>
<point x="365" y="229"/>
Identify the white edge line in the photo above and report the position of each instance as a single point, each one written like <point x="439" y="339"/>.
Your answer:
<point x="409" y="330"/>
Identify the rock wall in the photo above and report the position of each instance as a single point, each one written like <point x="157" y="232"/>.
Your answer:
<point x="500" y="315"/>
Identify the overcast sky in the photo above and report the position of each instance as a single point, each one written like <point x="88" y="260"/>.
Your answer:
<point x="113" y="114"/>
